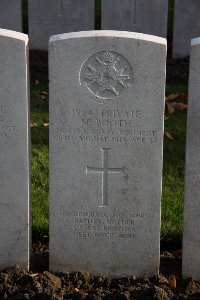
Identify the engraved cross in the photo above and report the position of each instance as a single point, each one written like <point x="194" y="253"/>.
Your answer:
<point x="105" y="170"/>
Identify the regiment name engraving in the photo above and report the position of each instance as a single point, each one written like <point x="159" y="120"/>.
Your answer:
<point x="104" y="125"/>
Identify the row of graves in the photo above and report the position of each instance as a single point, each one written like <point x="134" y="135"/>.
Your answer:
<point x="106" y="108"/>
<point x="50" y="17"/>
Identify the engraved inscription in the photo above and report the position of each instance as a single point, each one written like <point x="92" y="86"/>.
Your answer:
<point x="105" y="170"/>
<point x="106" y="125"/>
<point x="104" y="225"/>
<point x="6" y="129"/>
<point x="105" y="76"/>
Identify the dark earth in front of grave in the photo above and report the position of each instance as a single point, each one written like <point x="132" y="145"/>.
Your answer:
<point x="16" y="283"/>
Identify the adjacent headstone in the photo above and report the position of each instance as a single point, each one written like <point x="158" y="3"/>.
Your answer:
<point x="106" y="137"/>
<point x="49" y="17"/>
<point x="11" y="14"/>
<point x="14" y="154"/>
<point x="136" y="15"/>
<point x="186" y="26"/>
<point x="191" y="237"/>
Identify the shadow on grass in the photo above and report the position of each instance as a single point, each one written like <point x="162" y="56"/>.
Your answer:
<point x="40" y="136"/>
<point x="174" y="150"/>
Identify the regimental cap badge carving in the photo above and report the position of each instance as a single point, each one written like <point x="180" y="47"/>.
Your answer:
<point x="106" y="75"/>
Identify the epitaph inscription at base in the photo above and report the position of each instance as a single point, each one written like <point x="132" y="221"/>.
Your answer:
<point x="106" y="128"/>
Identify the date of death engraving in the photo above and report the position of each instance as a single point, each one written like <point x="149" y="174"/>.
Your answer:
<point x="107" y="126"/>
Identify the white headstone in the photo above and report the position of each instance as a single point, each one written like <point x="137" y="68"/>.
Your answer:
<point x="191" y="236"/>
<point x="11" y="14"/>
<point x="106" y="136"/>
<point x="136" y="15"/>
<point x="49" y="17"/>
<point x="186" y="26"/>
<point x="14" y="154"/>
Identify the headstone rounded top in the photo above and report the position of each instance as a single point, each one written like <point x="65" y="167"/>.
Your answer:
<point x="108" y="33"/>
<point x="14" y="35"/>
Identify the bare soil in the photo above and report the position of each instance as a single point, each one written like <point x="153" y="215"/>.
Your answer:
<point x="18" y="284"/>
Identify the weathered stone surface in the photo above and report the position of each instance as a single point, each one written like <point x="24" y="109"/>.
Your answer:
<point x="11" y="14"/>
<point x="136" y="15"/>
<point x="186" y="26"/>
<point x="49" y="17"/>
<point x="106" y="136"/>
<point x="14" y="155"/>
<point x="191" y="237"/>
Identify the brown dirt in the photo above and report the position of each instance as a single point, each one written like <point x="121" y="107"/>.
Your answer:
<point x="18" y="284"/>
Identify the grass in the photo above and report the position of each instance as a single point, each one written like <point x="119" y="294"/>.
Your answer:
<point x="173" y="171"/>
<point x="171" y="89"/>
<point x="39" y="162"/>
<point x="173" y="177"/>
